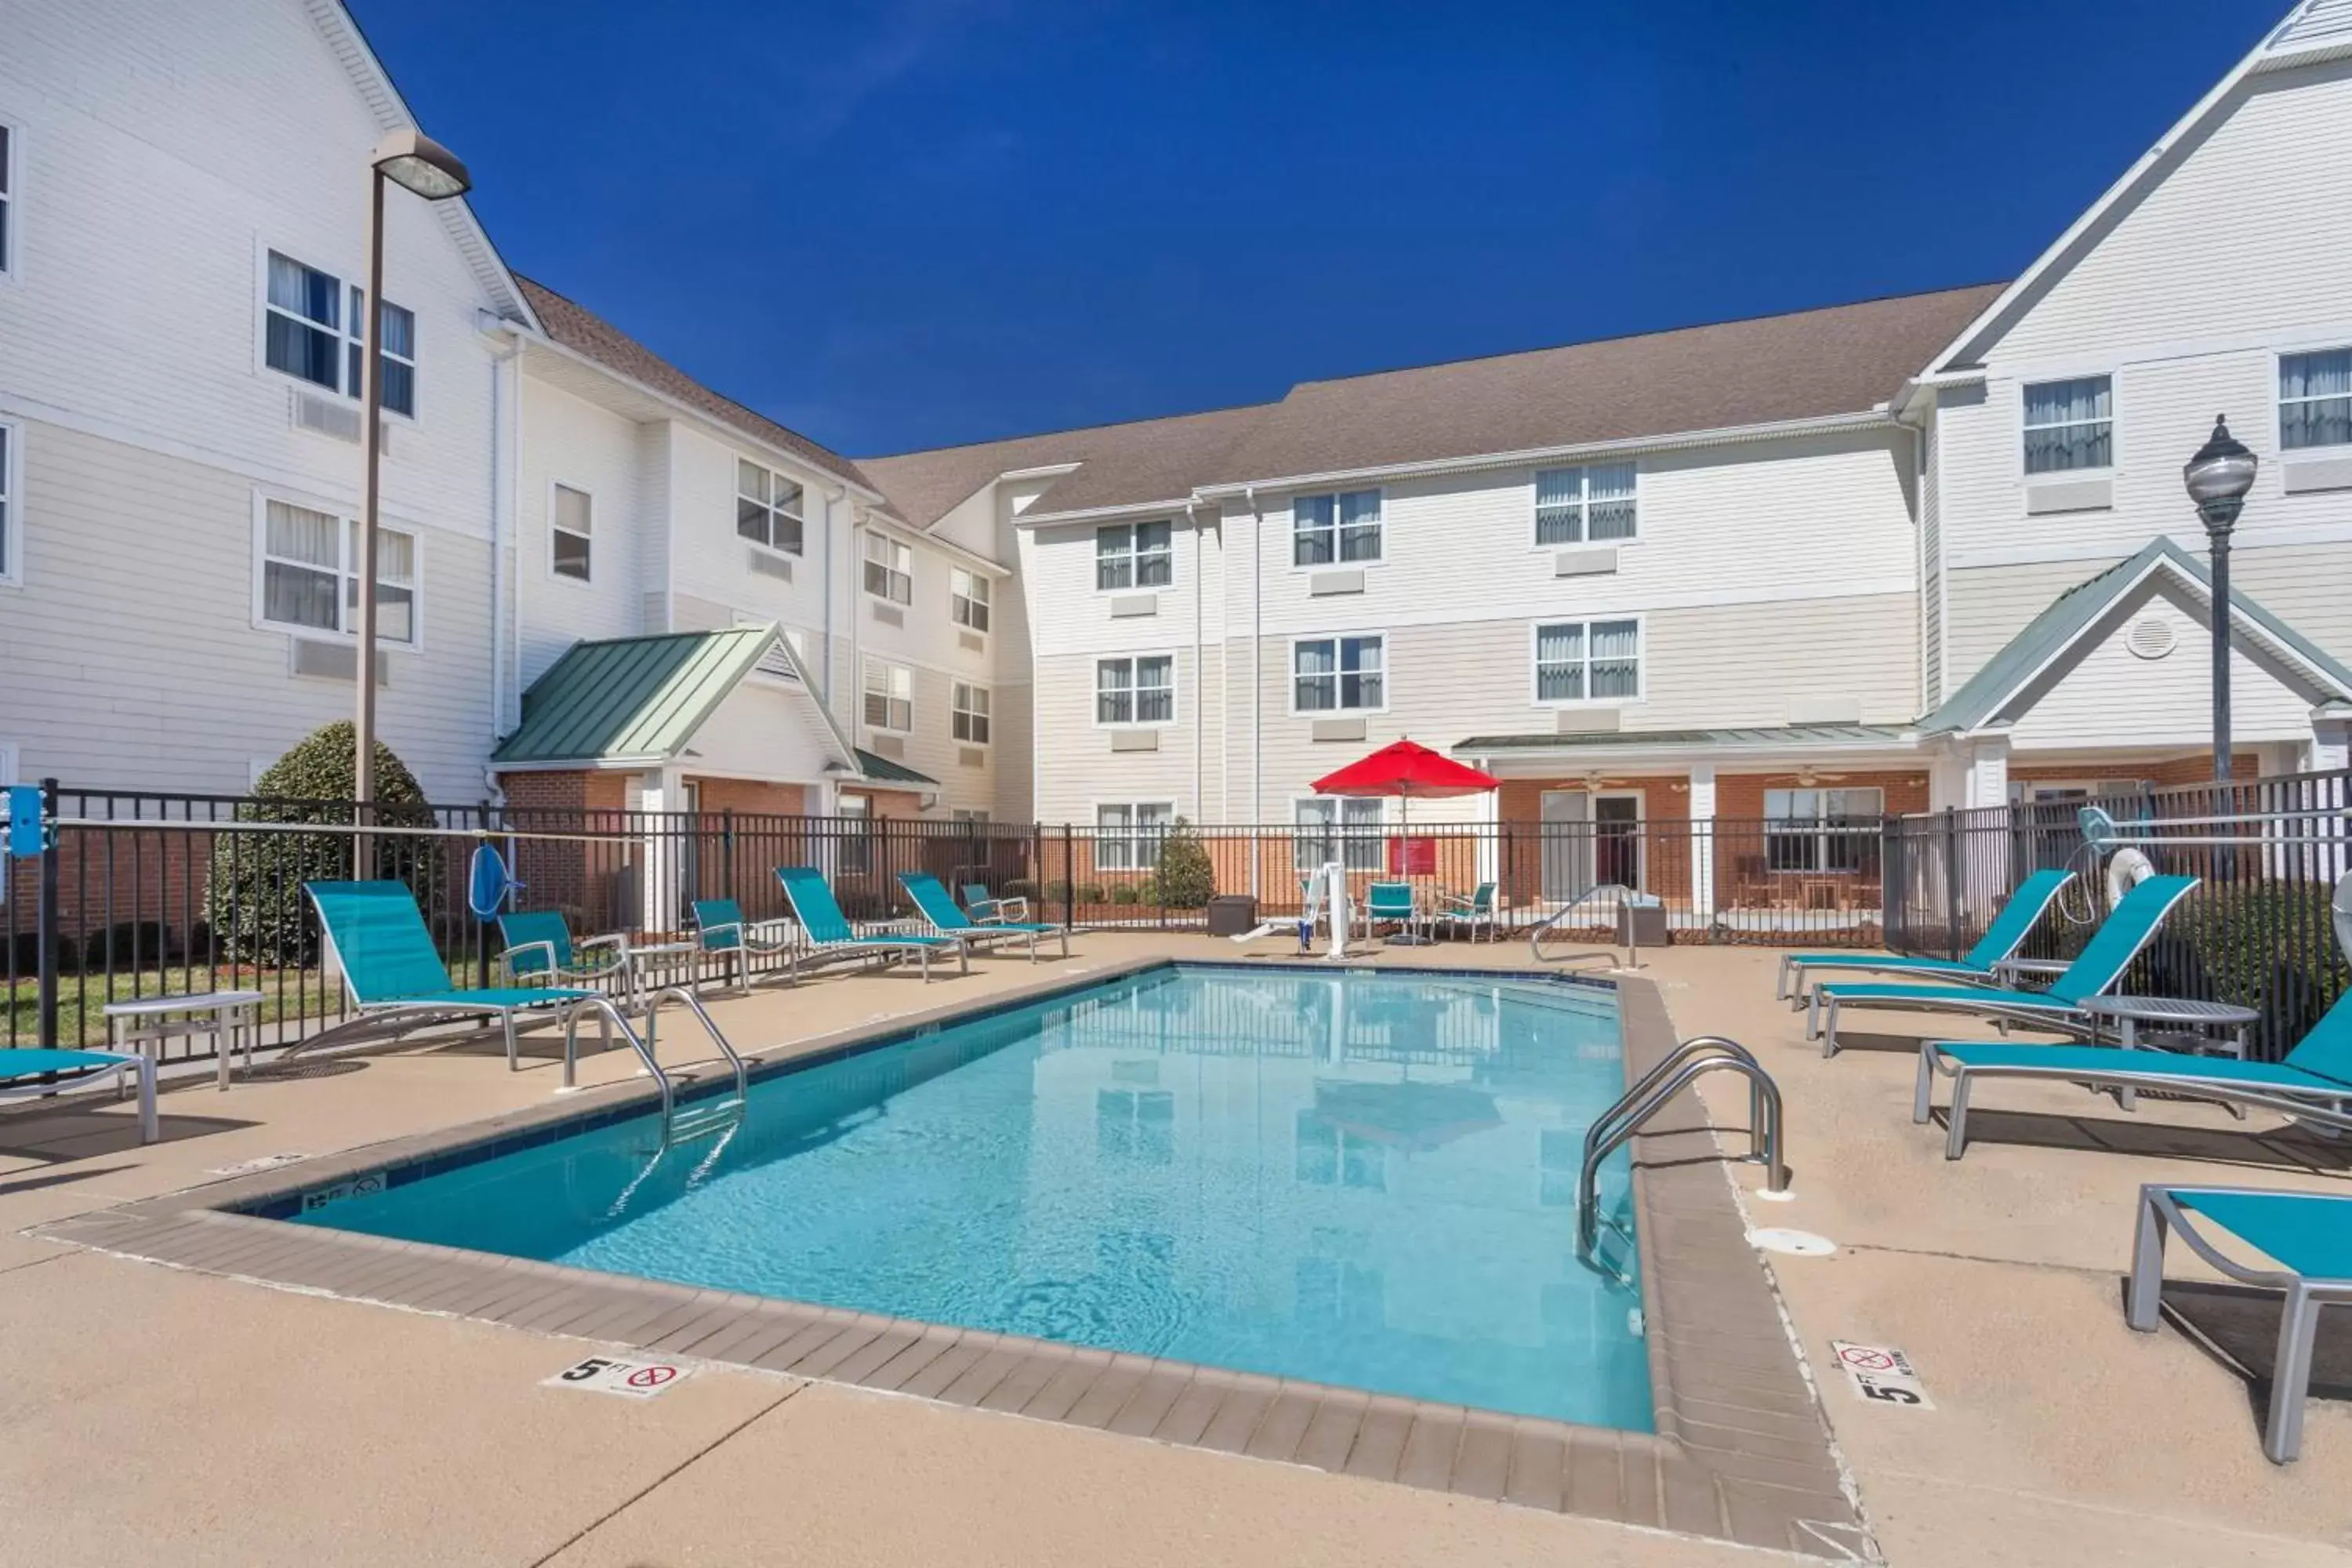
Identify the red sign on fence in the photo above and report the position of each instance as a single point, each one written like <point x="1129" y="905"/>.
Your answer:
<point x="1413" y="857"/>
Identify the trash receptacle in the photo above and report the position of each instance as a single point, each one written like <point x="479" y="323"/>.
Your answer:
<point x="1642" y="921"/>
<point x="1231" y="914"/>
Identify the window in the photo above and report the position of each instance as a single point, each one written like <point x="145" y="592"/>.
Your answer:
<point x="968" y="813"/>
<point x="1324" y="529"/>
<point x="1822" y="831"/>
<point x="967" y="599"/>
<point x="1135" y="690"/>
<point x="2070" y="425"/>
<point x="314" y="329"/>
<point x="889" y="569"/>
<point x="1331" y="1155"/>
<point x="1127" y="838"/>
<point x="856" y="835"/>
<point x="889" y="696"/>
<point x="1331" y="827"/>
<point x="1587" y="661"/>
<point x="1134" y="555"/>
<point x="571" y="521"/>
<point x="8" y="503"/>
<point x="309" y="574"/>
<point x="968" y="714"/>
<point x="1338" y="675"/>
<point x="767" y="507"/>
<point x="1576" y="506"/>
<point x="7" y="204"/>
<point x="2316" y="399"/>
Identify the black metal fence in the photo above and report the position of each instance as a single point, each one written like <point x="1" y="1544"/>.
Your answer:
<point x="2257" y="931"/>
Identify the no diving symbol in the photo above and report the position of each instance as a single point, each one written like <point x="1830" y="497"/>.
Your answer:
<point x="1862" y="1358"/>
<point x="650" y="1377"/>
<point x="610" y="1374"/>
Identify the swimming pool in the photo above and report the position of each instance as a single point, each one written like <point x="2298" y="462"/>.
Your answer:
<point x="1350" y="1178"/>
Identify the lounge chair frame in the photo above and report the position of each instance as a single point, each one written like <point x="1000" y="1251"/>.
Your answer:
<point x="1983" y="967"/>
<point x="815" y="951"/>
<point x="977" y="934"/>
<point x="85" y="1068"/>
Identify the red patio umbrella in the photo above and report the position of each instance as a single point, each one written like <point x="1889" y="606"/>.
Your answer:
<point x="1409" y="772"/>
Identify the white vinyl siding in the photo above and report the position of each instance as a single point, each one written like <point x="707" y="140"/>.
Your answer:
<point x="967" y="593"/>
<point x="2316" y="399"/>
<point x="1134" y="555"/>
<point x="1589" y="661"/>
<point x="1128" y="835"/>
<point x="1343" y="529"/>
<point x="309" y="574"/>
<point x="889" y="696"/>
<point x="1337" y="828"/>
<point x="968" y="718"/>
<point x="889" y="569"/>
<point x="7" y="199"/>
<point x="1588" y="505"/>
<point x="1819" y="830"/>
<point x="1339" y="675"/>
<point x="1140" y="691"/>
<point x="313" y="330"/>
<point x="571" y="527"/>
<point x="769" y="508"/>
<point x="11" y="448"/>
<point x="2070" y="425"/>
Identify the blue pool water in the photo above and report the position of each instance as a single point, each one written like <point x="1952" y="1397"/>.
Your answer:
<point x="1357" y="1178"/>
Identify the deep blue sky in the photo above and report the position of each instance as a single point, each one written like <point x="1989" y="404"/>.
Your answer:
<point x="917" y="222"/>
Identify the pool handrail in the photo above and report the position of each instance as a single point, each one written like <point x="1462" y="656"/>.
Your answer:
<point x="1535" y="934"/>
<point x="1655" y="1090"/>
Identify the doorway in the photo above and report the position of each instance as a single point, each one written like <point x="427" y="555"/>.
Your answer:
<point x="1566" y="844"/>
<point x="1617" y="838"/>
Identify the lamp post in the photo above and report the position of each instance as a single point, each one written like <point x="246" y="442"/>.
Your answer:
<point x="2218" y="478"/>
<point x="417" y="164"/>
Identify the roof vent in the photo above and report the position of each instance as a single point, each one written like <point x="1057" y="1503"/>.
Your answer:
<point x="2150" y="637"/>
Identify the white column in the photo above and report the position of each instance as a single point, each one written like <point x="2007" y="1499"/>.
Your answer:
<point x="1988" y="782"/>
<point x="661" y="790"/>
<point x="1702" y="840"/>
<point x="1490" y="833"/>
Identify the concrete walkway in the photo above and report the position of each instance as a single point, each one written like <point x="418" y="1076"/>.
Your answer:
<point x="162" y="1415"/>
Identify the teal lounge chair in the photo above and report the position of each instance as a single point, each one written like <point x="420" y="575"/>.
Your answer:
<point x="989" y="909"/>
<point x="2101" y="964"/>
<point x="2308" y="1237"/>
<point x="32" y="1073"/>
<point x="931" y="898"/>
<point x="2313" y="1082"/>
<point x="1391" y="903"/>
<point x="539" y="947"/>
<point x="1470" y="913"/>
<point x="389" y="966"/>
<point x="1980" y="967"/>
<point x="725" y="935"/>
<point x="828" y="929"/>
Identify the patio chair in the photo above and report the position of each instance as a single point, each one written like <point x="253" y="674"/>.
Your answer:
<point x="1980" y="967"/>
<point x="2130" y="928"/>
<point x="2314" y="1081"/>
<point x="935" y="906"/>
<point x="989" y="910"/>
<point x="1391" y="903"/>
<point x="390" y="967"/>
<point x="538" y="946"/>
<point x="1469" y="912"/>
<point x="726" y="935"/>
<point x="829" y="932"/>
<point x="32" y="1073"/>
<point x="2308" y="1239"/>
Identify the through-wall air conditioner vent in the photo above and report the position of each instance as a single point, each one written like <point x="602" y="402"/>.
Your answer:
<point x="2150" y="638"/>
<point x="768" y="565"/>
<point x="326" y="415"/>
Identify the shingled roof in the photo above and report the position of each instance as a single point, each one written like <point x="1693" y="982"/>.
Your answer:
<point x="584" y="332"/>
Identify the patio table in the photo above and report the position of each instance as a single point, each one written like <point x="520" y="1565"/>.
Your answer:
<point x="650" y="962"/>
<point x="2199" y="1021"/>
<point x="146" y="1022"/>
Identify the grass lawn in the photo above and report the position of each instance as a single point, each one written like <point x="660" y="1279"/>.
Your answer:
<point x="82" y="998"/>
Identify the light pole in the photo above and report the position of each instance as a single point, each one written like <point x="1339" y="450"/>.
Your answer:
<point x="416" y="162"/>
<point x="2218" y="478"/>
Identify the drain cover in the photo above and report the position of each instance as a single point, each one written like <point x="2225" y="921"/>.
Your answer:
<point x="1797" y="1243"/>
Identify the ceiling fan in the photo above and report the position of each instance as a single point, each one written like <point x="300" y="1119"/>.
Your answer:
<point x="1596" y="780"/>
<point x="1807" y="778"/>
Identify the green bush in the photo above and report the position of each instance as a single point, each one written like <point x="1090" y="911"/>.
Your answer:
<point x="1019" y="888"/>
<point x="1088" y="893"/>
<point x="2268" y="945"/>
<point x="253" y="891"/>
<point x="1147" y="892"/>
<point x="1187" y="880"/>
<point x="1124" y="894"/>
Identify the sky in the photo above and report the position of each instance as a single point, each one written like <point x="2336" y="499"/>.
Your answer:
<point x="899" y="224"/>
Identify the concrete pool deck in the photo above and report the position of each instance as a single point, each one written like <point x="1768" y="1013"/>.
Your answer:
<point x="165" y="1413"/>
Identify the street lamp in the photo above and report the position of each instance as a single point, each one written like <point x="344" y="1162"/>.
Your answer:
<point x="416" y="162"/>
<point x="2218" y="478"/>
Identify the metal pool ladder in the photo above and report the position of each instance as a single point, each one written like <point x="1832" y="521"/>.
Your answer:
<point x="1535" y="934"/>
<point x="699" y="1118"/>
<point x="1691" y="1060"/>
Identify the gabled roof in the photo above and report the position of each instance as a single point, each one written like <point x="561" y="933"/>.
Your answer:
<point x="882" y="769"/>
<point x="2083" y="610"/>
<point x="573" y="326"/>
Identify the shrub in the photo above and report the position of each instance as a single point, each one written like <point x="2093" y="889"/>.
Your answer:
<point x="1147" y="892"/>
<point x="1019" y="887"/>
<point x="2268" y="945"/>
<point x="1088" y="893"/>
<point x="1124" y="894"/>
<point x="1187" y="880"/>
<point x="1057" y="893"/>
<point x="254" y="893"/>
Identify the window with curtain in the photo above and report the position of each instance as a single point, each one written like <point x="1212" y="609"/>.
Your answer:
<point x="967" y="599"/>
<point x="1341" y="828"/>
<point x="2316" y="399"/>
<point x="889" y="696"/>
<point x="769" y="508"/>
<point x="310" y="573"/>
<point x="1339" y="675"/>
<point x="1594" y="504"/>
<point x="889" y="569"/>
<point x="2070" y="425"/>
<point x="1139" y="690"/>
<point x="1330" y="528"/>
<point x="969" y="713"/>
<point x="1822" y="830"/>
<point x="1585" y="661"/>
<point x="1134" y="555"/>
<point x="313" y="329"/>
<point x="1128" y="835"/>
<point x="572" y="526"/>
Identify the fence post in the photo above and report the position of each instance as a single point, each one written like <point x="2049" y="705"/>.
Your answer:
<point x="1069" y="878"/>
<point x="47" y="919"/>
<point x="727" y="848"/>
<point x="1951" y="883"/>
<point x="481" y="927"/>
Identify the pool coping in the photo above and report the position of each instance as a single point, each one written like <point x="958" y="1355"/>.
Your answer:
<point x="1741" y="1450"/>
